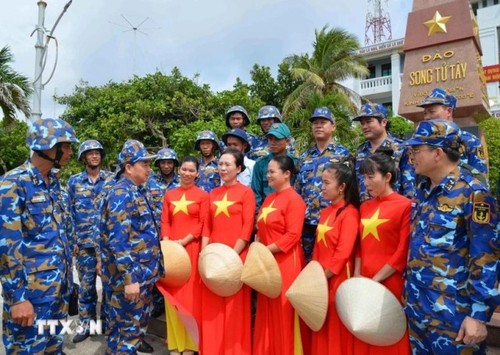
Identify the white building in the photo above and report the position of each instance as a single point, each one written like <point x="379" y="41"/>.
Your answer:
<point x="386" y="61"/>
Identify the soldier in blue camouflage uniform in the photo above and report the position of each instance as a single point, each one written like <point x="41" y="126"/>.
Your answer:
<point x="375" y="125"/>
<point x="440" y="104"/>
<point x="237" y="117"/>
<point x="84" y="189"/>
<point x="35" y="257"/>
<point x="130" y="248"/>
<point x="159" y="183"/>
<point x="311" y="164"/>
<point x="207" y="144"/>
<point x="266" y="116"/>
<point x="454" y="248"/>
<point x="166" y="178"/>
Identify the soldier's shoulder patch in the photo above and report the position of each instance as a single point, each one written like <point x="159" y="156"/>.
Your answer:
<point x="481" y="212"/>
<point x="480" y="152"/>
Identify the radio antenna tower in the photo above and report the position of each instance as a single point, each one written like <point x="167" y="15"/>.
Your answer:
<point x="378" y="22"/>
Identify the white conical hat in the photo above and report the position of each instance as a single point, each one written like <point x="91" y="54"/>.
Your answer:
<point x="220" y="269"/>
<point x="261" y="271"/>
<point x="177" y="264"/>
<point x="308" y="295"/>
<point x="370" y="311"/>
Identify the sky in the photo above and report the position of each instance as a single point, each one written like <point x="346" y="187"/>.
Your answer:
<point x="220" y="40"/>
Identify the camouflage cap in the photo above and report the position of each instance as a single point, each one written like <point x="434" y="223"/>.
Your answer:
<point x="239" y="133"/>
<point x="167" y="154"/>
<point x="90" y="144"/>
<point x="269" y="111"/>
<point x="241" y="110"/>
<point x="279" y="130"/>
<point x="371" y="110"/>
<point x="441" y="97"/>
<point x="44" y="133"/>
<point x="322" y="112"/>
<point x="206" y="135"/>
<point x="132" y="152"/>
<point x="437" y="133"/>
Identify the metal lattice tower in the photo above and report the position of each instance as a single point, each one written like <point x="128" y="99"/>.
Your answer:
<point x="378" y="22"/>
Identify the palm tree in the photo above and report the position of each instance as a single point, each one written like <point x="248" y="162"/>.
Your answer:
<point x="334" y="59"/>
<point x="15" y="88"/>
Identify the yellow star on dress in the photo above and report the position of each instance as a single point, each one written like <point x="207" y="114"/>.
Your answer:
<point x="370" y="225"/>
<point x="437" y="24"/>
<point x="266" y="211"/>
<point x="322" y="229"/>
<point x="181" y="205"/>
<point x="222" y="206"/>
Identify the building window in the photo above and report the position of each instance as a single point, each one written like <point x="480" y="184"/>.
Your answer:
<point x="485" y="3"/>
<point x="371" y="69"/>
<point x="386" y="69"/>
<point x="495" y="2"/>
<point x="475" y="6"/>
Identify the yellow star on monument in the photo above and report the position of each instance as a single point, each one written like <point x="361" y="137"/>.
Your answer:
<point x="222" y="206"/>
<point x="437" y="24"/>
<point x="181" y="205"/>
<point x="370" y="225"/>
<point x="266" y="211"/>
<point x="321" y="231"/>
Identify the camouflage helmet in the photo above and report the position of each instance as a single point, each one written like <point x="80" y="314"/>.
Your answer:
<point x="269" y="111"/>
<point x="238" y="133"/>
<point x="166" y="154"/>
<point x="233" y="109"/>
<point x="206" y="135"/>
<point x="90" y="144"/>
<point x="43" y="134"/>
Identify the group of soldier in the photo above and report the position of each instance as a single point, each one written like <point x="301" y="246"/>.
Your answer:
<point x="109" y="221"/>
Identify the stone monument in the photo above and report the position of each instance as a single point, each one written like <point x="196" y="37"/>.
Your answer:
<point x="442" y="49"/>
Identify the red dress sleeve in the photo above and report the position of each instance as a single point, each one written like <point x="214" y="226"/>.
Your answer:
<point x="294" y="221"/>
<point x="248" y="213"/>
<point x="205" y="215"/>
<point x="349" y="225"/>
<point x="165" y="217"/>
<point x="400" y="256"/>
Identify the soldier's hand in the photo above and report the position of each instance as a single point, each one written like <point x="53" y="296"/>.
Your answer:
<point x="23" y="313"/>
<point x="472" y="331"/>
<point x="132" y="291"/>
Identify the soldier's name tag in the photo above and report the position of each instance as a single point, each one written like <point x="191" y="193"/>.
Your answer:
<point x="481" y="213"/>
<point x="38" y="199"/>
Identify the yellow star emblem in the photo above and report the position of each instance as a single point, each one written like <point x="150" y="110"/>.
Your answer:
<point x="321" y="231"/>
<point x="370" y="225"/>
<point x="181" y="205"/>
<point x="266" y="211"/>
<point x="437" y="24"/>
<point x="222" y="206"/>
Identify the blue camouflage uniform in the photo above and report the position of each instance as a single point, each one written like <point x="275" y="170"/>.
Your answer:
<point x="453" y="255"/>
<point x="261" y="146"/>
<point x="308" y="183"/>
<point x="35" y="258"/>
<point x="405" y="179"/>
<point x="130" y="248"/>
<point x="474" y="156"/>
<point x="208" y="173"/>
<point x="85" y="196"/>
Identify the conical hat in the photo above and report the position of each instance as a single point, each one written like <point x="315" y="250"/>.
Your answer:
<point x="220" y="269"/>
<point x="261" y="271"/>
<point x="177" y="264"/>
<point x="308" y="294"/>
<point x="370" y="311"/>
